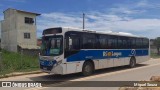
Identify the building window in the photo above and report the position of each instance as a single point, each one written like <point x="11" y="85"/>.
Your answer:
<point x="29" y="20"/>
<point x="27" y="36"/>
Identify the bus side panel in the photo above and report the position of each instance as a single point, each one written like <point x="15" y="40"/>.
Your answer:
<point x="106" y="63"/>
<point x="79" y="66"/>
<point x="104" y="58"/>
<point x="96" y="64"/>
<point x="110" y="63"/>
<point x="73" y="67"/>
<point x="58" y="69"/>
<point x="127" y="60"/>
<point x="118" y="61"/>
<point x="142" y="55"/>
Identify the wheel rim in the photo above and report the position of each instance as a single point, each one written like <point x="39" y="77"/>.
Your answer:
<point x="87" y="69"/>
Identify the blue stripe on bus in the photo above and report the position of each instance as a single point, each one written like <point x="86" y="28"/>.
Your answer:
<point x="104" y="54"/>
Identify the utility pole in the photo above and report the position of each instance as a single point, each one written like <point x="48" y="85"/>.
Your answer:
<point x="83" y="21"/>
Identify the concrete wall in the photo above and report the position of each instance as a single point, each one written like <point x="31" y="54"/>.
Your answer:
<point x="30" y="52"/>
<point x="13" y="29"/>
<point x="26" y="28"/>
<point x="8" y="33"/>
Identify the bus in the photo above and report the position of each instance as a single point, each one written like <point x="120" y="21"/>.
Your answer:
<point x="70" y="50"/>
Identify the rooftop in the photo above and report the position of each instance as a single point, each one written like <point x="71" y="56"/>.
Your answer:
<point x="22" y="11"/>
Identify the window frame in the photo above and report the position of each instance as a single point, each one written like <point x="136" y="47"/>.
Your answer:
<point x="27" y="35"/>
<point x="28" y="20"/>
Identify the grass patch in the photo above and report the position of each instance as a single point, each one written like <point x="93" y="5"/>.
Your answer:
<point x="155" y="55"/>
<point x="16" y="62"/>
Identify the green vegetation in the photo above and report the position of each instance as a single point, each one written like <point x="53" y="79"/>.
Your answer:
<point x="16" y="62"/>
<point x="155" y="55"/>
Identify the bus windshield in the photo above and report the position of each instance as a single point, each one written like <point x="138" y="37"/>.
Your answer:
<point x="52" y="45"/>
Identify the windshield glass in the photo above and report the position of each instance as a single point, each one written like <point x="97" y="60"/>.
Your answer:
<point x="52" y="45"/>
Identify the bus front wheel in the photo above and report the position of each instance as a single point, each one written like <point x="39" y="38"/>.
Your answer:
<point x="88" y="68"/>
<point x="132" y="62"/>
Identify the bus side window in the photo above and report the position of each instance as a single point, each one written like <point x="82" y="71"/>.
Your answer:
<point x="133" y="43"/>
<point x="120" y="43"/>
<point x="101" y="42"/>
<point x="112" y="42"/>
<point x="145" y="43"/>
<point x="89" y="41"/>
<point x="138" y="43"/>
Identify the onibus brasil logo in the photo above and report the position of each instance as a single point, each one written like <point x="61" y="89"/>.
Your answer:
<point x="111" y="53"/>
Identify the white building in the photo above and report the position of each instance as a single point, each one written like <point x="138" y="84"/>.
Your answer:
<point x="18" y="29"/>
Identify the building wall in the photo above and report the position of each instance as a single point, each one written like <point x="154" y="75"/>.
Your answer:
<point x="13" y="29"/>
<point x="8" y="35"/>
<point x="22" y="28"/>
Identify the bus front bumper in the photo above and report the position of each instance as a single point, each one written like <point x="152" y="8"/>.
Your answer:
<point x="54" y="68"/>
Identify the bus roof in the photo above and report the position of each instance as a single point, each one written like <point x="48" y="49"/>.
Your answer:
<point x="100" y="32"/>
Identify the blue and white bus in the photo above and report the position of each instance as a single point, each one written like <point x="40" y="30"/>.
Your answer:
<point x="70" y="50"/>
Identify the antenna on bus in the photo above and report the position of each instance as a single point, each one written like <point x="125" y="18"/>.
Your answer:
<point x="83" y="21"/>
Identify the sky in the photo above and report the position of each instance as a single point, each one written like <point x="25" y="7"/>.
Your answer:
<point x="138" y="17"/>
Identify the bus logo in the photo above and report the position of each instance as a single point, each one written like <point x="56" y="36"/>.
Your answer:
<point x="133" y="52"/>
<point x="111" y="53"/>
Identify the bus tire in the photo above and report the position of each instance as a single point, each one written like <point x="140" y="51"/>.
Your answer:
<point x="87" y="68"/>
<point x="132" y="63"/>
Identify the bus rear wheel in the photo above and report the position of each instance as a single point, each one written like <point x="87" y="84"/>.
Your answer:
<point x="88" y="68"/>
<point x="132" y="63"/>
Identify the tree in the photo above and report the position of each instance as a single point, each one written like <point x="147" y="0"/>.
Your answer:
<point x="157" y="44"/>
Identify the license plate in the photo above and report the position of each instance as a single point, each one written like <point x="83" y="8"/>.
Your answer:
<point x="44" y="68"/>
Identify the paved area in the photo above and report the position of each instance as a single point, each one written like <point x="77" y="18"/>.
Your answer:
<point x="142" y="72"/>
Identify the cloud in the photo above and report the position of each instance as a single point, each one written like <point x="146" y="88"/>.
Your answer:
<point x="138" y="24"/>
<point x="143" y="3"/>
<point x="101" y="22"/>
<point x="58" y="19"/>
<point x="147" y="4"/>
<point x="134" y="8"/>
<point x="125" y="10"/>
<point x="48" y="20"/>
<point x="119" y="18"/>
